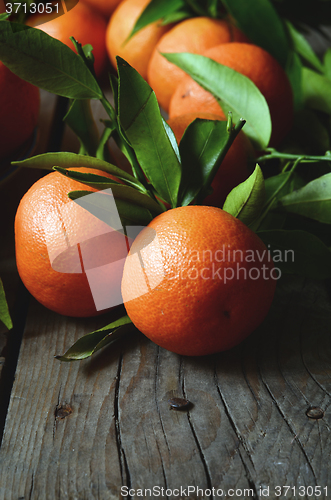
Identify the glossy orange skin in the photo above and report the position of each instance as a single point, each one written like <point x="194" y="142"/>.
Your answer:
<point x="138" y="50"/>
<point x="177" y="289"/>
<point x="260" y="67"/>
<point x="104" y="7"/>
<point x="234" y="169"/>
<point x="19" y="111"/>
<point x="83" y="23"/>
<point x="194" y="35"/>
<point x="58" y="243"/>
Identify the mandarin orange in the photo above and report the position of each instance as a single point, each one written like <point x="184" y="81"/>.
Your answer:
<point x="197" y="281"/>
<point x="19" y="112"/>
<point x="260" y="67"/>
<point x="68" y="259"/>
<point x="138" y="50"/>
<point x="194" y="35"/>
<point x="103" y="7"/>
<point x="81" y="22"/>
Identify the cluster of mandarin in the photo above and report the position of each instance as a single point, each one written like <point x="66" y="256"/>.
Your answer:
<point x="187" y="316"/>
<point x="107" y="24"/>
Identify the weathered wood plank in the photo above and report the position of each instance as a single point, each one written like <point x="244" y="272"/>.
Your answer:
<point x="82" y="430"/>
<point x="269" y="375"/>
<point x="60" y="436"/>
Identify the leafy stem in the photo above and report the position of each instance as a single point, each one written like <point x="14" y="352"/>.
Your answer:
<point x="273" y="154"/>
<point x="86" y="54"/>
<point x="270" y="203"/>
<point x="123" y="145"/>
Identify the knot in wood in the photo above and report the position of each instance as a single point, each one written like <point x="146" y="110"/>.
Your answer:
<point x="63" y="411"/>
<point x="179" y="403"/>
<point x="315" y="412"/>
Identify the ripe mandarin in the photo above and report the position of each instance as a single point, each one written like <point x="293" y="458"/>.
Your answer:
<point x="19" y="112"/>
<point x="194" y="35"/>
<point x="138" y="50"/>
<point x="104" y="7"/>
<point x="83" y="23"/>
<point x="68" y="259"/>
<point x="197" y="281"/>
<point x="260" y="67"/>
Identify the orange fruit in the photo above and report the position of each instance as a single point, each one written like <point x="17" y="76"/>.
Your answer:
<point x="260" y="67"/>
<point x="19" y="112"/>
<point x="81" y="22"/>
<point x="138" y="50"/>
<point x="190" y="283"/>
<point x="234" y="169"/>
<point x="194" y="35"/>
<point x="68" y="259"/>
<point x="104" y="7"/>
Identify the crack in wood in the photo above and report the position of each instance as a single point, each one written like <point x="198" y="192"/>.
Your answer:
<point x="199" y="447"/>
<point x="157" y="402"/>
<point x="295" y="436"/>
<point x="31" y="487"/>
<point x="241" y="441"/>
<point x="124" y="469"/>
<point x="307" y="368"/>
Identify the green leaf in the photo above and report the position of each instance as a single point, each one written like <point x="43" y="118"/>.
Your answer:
<point x="294" y="73"/>
<point x="92" y="342"/>
<point x="202" y="149"/>
<point x="47" y="161"/>
<point x="312" y="200"/>
<point x="81" y="121"/>
<point x="141" y="121"/>
<point x="172" y="139"/>
<point x="327" y="63"/>
<point x="259" y="20"/>
<point x="4" y="311"/>
<point x="272" y="220"/>
<point x="93" y="180"/>
<point x="293" y="222"/>
<point x="109" y="208"/>
<point x="156" y="10"/>
<point x="246" y="200"/>
<point x="316" y="90"/>
<point x="298" y="252"/>
<point x="46" y="62"/>
<point x="285" y="182"/>
<point x="303" y="48"/>
<point x="234" y="91"/>
<point x="176" y="17"/>
<point x="118" y="190"/>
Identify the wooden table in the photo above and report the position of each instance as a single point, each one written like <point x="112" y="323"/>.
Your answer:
<point x="258" y="425"/>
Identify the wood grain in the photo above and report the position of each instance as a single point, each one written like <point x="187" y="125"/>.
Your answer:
<point x="82" y="430"/>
